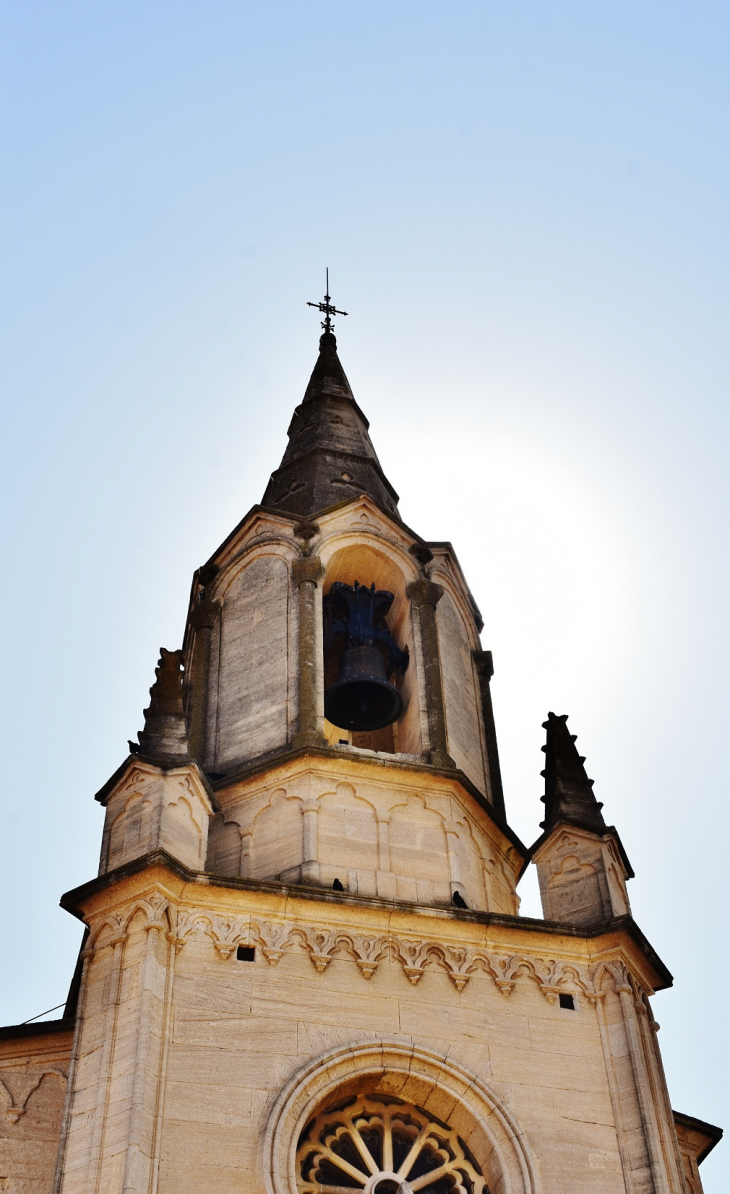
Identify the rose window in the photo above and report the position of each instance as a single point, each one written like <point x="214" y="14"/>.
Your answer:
<point x="383" y="1146"/>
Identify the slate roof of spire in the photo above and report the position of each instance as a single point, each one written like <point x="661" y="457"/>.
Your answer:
<point x="568" y="790"/>
<point x="329" y="457"/>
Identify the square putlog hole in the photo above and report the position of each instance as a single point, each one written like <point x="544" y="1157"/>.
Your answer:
<point x="247" y="953"/>
<point x="567" y="1001"/>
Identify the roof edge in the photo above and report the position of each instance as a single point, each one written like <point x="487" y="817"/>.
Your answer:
<point x="71" y="902"/>
<point x="610" y="831"/>
<point x="714" y="1133"/>
<point x="9" y="1032"/>
<point x="161" y="765"/>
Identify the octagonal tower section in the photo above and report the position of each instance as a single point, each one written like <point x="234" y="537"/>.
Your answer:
<point x="410" y="811"/>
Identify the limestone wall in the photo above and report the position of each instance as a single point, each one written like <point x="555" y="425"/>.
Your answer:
<point x="122" y="1006"/>
<point x="33" y="1076"/>
<point x="252" y="679"/>
<point x="150" y="809"/>
<point x="462" y="701"/>
<point x="404" y="835"/>
<point x="204" y="1068"/>
<point x="582" y="877"/>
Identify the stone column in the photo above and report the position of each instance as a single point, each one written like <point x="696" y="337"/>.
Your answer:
<point x="672" y="1156"/>
<point x="174" y="945"/>
<point x="110" y="999"/>
<point x="149" y="1043"/>
<point x="306" y="572"/>
<point x="114" y="1125"/>
<point x="663" y="1181"/>
<point x="425" y="596"/>
<point x="203" y="620"/>
<point x="385" y="880"/>
<point x="87" y="956"/>
<point x="485" y="671"/>
<point x="598" y="999"/>
<point x="310" y="863"/>
<point x="451" y="829"/>
<point x="245" y="864"/>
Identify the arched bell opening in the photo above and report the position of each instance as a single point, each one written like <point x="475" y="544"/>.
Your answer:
<point x="377" y="666"/>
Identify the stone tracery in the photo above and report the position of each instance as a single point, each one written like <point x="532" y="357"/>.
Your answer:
<point x="381" y="1145"/>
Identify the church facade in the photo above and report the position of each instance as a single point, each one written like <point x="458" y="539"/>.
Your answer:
<point x="304" y="970"/>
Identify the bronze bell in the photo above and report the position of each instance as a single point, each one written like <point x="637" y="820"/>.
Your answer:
<point x="362" y="698"/>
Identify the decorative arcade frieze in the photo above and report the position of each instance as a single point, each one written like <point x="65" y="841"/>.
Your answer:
<point x="323" y="944"/>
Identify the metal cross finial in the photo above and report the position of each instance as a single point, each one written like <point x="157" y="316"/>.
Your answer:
<point x="327" y="308"/>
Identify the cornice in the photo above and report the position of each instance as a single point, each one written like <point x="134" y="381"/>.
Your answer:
<point x="158" y="765"/>
<point x="713" y="1134"/>
<point x="624" y="926"/>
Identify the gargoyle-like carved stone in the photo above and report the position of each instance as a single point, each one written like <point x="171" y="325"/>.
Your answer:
<point x="273" y="939"/>
<point x="413" y="956"/>
<point x="368" y="951"/>
<point x="459" y="965"/>
<point x="321" y="944"/>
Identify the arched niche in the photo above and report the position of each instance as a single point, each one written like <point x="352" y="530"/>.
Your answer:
<point x="418" y="850"/>
<point x="224" y="847"/>
<point x="277" y="847"/>
<point x="130" y="829"/>
<point x="471" y="854"/>
<point x="372" y="562"/>
<point x="347" y="832"/>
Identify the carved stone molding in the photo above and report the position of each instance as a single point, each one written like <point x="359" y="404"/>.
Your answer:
<point x="156" y="909"/>
<point x="367" y="952"/>
<point x="321" y="944"/>
<point x="17" y="1105"/>
<point x="552" y="977"/>
<point x="382" y="1135"/>
<point x="226" y="933"/>
<point x="273" y="939"/>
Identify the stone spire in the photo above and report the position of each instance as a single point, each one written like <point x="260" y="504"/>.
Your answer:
<point x="164" y="735"/>
<point x="582" y="866"/>
<point x="329" y="458"/>
<point x="568" y="795"/>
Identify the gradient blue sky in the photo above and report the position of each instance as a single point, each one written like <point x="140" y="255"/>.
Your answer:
<point x="524" y="208"/>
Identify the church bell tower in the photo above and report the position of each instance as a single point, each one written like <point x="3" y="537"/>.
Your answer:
<point x="305" y="971"/>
